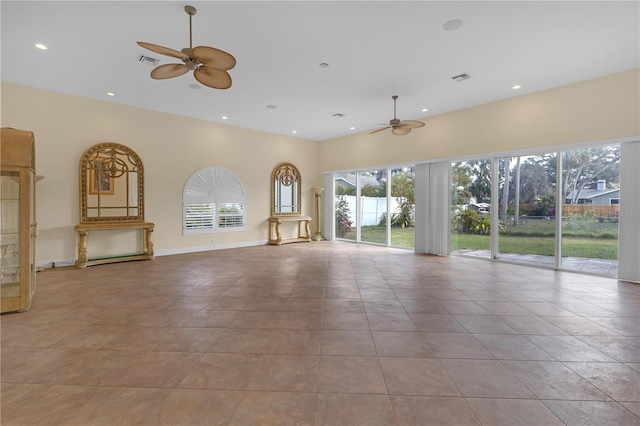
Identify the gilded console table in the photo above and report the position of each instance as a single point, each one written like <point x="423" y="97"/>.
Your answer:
<point x="275" y="233"/>
<point x="83" y="232"/>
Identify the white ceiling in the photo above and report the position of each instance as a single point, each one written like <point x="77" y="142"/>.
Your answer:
<point x="375" y="49"/>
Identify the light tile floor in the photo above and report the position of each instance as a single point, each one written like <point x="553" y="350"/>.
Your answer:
<point x="322" y="333"/>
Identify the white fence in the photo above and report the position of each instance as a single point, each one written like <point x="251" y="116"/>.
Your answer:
<point x="372" y="208"/>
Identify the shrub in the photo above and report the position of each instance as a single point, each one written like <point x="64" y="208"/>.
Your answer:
<point x="469" y="221"/>
<point x="343" y="223"/>
<point x="404" y="218"/>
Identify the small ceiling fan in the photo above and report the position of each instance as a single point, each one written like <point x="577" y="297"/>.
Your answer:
<point x="399" y="127"/>
<point x="209" y="65"/>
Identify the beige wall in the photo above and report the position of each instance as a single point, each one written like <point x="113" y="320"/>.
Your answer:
<point x="171" y="147"/>
<point x="174" y="147"/>
<point x="598" y="109"/>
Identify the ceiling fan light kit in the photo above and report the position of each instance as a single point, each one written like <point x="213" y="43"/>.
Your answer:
<point x="209" y="65"/>
<point x="397" y="126"/>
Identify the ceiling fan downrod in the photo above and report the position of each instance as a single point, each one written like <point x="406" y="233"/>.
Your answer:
<point x="190" y="11"/>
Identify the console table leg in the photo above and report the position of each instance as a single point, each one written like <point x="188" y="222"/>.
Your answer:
<point x="148" y="241"/>
<point x="82" y="249"/>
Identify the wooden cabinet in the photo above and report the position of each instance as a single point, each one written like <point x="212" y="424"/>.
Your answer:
<point x="17" y="220"/>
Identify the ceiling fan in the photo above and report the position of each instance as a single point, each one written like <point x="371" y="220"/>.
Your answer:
<point x="209" y="65"/>
<point x="399" y="127"/>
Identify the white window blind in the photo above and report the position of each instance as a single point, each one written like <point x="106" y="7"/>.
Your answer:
<point x="213" y="201"/>
<point x="230" y="215"/>
<point x="199" y="216"/>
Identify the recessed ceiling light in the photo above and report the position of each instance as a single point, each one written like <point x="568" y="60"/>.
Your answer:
<point x="323" y="65"/>
<point x="272" y="106"/>
<point x="195" y="86"/>
<point x="40" y="46"/>
<point x="110" y="94"/>
<point x="294" y="131"/>
<point x="452" y="25"/>
<point x="352" y="128"/>
<point x="424" y="110"/>
<point x="517" y="86"/>
<point x="224" y="117"/>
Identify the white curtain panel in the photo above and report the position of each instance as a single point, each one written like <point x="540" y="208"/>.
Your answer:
<point x="328" y="200"/>
<point x="433" y="208"/>
<point x="629" y="225"/>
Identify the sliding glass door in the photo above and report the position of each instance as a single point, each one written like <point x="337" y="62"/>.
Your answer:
<point x="527" y="227"/>
<point x="373" y="207"/>
<point x="376" y="206"/>
<point x="471" y="208"/>
<point x="576" y="191"/>
<point x="402" y="207"/>
<point x="590" y="209"/>
<point x="345" y="206"/>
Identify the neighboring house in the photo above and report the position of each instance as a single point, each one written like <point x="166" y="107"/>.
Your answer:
<point x="601" y="195"/>
<point x="482" y="208"/>
<point x="348" y="180"/>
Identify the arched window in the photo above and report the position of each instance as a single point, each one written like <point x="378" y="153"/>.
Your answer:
<point x="213" y="201"/>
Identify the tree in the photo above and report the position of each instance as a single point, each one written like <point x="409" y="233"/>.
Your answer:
<point x="505" y="189"/>
<point x="516" y="213"/>
<point x="345" y="190"/>
<point x="371" y="191"/>
<point x="403" y="185"/>
<point x="584" y="167"/>
<point x="537" y="178"/>
<point x="481" y="186"/>
<point x="461" y="180"/>
<point x="403" y="188"/>
<point x="343" y="223"/>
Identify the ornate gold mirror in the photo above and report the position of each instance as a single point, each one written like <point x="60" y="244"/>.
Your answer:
<point x="111" y="185"/>
<point x="285" y="190"/>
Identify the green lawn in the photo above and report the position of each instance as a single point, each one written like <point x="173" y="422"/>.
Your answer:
<point x="400" y="237"/>
<point x="572" y="226"/>
<point x="533" y="236"/>
<point x="577" y="247"/>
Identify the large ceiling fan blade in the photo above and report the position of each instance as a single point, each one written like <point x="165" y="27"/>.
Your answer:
<point x="214" y="58"/>
<point x="163" y="50"/>
<point x="401" y="130"/>
<point x="379" y="130"/>
<point x="169" y="71"/>
<point x="217" y="79"/>
<point x="413" y="124"/>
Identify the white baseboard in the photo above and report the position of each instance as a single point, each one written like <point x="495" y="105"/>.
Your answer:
<point x="55" y="263"/>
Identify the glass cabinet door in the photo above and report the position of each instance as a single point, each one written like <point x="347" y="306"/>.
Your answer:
<point x="33" y="233"/>
<point x="10" y="234"/>
<point x="17" y="220"/>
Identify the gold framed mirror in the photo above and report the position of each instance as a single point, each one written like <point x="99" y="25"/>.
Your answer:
<point x="111" y="185"/>
<point x="286" y="190"/>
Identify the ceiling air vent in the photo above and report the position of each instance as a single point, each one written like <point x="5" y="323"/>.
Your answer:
<point x="461" y="77"/>
<point x="148" y="60"/>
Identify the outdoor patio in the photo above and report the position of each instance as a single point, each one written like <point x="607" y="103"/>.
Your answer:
<point x="604" y="267"/>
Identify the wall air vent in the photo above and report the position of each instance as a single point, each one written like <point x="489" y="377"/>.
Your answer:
<point x="461" y="77"/>
<point x="148" y="60"/>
